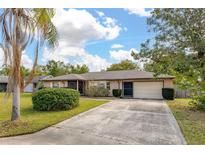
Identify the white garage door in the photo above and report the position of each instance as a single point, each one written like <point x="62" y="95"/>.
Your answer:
<point x="151" y="90"/>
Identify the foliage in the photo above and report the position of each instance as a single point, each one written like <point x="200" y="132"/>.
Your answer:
<point x="52" y="99"/>
<point x="123" y="65"/>
<point x="21" y="27"/>
<point x="94" y="91"/>
<point x="40" y="71"/>
<point x="191" y="121"/>
<point x="198" y="101"/>
<point x="178" y="48"/>
<point x="24" y="74"/>
<point x="79" y="69"/>
<point x="168" y="93"/>
<point x="39" y="86"/>
<point x="54" y="68"/>
<point x="32" y="120"/>
<point x="116" y="92"/>
<point x="57" y="68"/>
<point x="4" y="70"/>
<point x="201" y="101"/>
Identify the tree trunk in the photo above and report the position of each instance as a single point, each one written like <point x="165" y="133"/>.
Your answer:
<point x="16" y="103"/>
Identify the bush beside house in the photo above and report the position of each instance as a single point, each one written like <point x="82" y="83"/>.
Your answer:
<point x="52" y="99"/>
<point x="95" y="91"/>
<point x="168" y="93"/>
<point x="116" y="92"/>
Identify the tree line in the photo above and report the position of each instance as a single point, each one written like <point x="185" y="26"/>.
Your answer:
<point x="57" y="68"/>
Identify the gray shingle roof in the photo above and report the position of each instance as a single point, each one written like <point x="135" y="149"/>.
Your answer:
<point x="66" y="77"/>
<point x="109" y="75"/>
<point x="4" y="79"/>
<point x="36" y="79"/>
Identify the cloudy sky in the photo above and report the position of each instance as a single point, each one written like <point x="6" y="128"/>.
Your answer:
<point x="95" y="37"/>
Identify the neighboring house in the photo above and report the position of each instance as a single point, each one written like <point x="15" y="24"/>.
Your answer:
<point x="3" y="83"/>
<point x="35" y="84"/>
<point x="135" y="84"/>
<point x="31" y="87"/>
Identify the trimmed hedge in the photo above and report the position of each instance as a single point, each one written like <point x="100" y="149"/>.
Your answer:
<point x="116" y="92"/>
<point x="53" y="99"/>
<point x="168" y="93"/>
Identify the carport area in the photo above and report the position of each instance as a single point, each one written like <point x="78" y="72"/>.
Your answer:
<point x="123" y="121"/>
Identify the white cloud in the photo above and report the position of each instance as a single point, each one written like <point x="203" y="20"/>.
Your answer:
<point x="94" y="62"/>
<point x="76" y="28"/>
<point x="76" y="56"/>
<point x="115" y="46"/>
<point x="101" y="14"/>
<point x="139" y="12"/>
<point x="25" y="61"/>
<point x="122" y="54"/>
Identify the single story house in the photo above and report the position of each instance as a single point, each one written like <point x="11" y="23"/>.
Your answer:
<point x="31" y="87"/>
<point x="35" y="84"/>
<point x="3" y="83"/>
<point x="135" y="84"/>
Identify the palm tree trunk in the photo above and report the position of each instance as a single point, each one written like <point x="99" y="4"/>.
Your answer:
<point x="16" y="103"/>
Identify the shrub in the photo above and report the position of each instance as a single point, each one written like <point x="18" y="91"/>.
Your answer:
<point x="168" y="93"/>
<point x="198" y="101"/>
<point x="116" y="92"/>
<point x="95" y="91"/>
<point x="52" y="99"/>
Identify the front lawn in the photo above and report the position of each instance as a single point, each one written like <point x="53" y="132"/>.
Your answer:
<point x="191" y="121"/>
<point x="32" y="121"/>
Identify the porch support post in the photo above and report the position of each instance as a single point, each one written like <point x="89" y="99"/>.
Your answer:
<point x="77" y="86"/>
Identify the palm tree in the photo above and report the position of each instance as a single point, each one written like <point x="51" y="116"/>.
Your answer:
<point x="19" y="29"/>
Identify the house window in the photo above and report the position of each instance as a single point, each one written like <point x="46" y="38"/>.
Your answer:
<point x="56" y="85"/>
<point x="108" y="85"/>
<point x="102" y="85"/>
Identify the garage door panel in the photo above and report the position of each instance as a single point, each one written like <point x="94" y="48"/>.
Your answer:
<point x="152" y="90"/>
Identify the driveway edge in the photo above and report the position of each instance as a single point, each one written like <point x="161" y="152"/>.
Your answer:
<point x="175" y="123"/>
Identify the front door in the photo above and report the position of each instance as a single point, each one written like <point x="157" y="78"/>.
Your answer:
<point x="128" y="88"/>
<point x="81" y="87"/>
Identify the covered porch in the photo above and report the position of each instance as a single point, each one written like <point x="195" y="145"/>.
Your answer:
<point x="78" y="85"/>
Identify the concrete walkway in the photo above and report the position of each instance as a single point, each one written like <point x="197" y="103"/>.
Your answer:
<point x="124" y="121"/>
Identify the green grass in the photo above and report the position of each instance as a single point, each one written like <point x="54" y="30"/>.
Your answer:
<point x="32" y="121"/>
<point x="190" y="120"/>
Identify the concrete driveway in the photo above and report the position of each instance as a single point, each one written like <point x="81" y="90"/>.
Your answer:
<point x="124" y="121"/>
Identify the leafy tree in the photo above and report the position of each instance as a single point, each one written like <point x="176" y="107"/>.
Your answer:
<point x="54" y="68"/>
<point x="19" y="29"/>
<point x="39" y="70"/>
<point x="123" y="65"/>
<point x="24" y="74"/>
<point x="79" y="69"/>
<point x="5" y="70"/>
<point x="178" y="48"/>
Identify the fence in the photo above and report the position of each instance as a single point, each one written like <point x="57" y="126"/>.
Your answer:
<point x="182" y="93"/>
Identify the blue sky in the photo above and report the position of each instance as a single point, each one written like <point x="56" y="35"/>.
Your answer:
<point x="95" y="37"/>
<point x="132" y="38"/>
